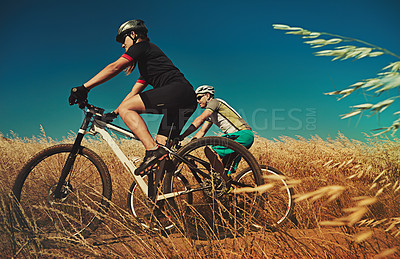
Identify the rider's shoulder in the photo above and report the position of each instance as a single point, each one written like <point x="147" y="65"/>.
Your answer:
<point x="219" y="100"/>
<point x="214" y="101"/>
<point x="213" y="104"/>
<point x="139" y="46"/>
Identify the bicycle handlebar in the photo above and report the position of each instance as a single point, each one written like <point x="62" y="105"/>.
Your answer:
<point x="91" y="108"/>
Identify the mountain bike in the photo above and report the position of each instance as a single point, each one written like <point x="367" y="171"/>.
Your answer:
<point x="66" y="189"/>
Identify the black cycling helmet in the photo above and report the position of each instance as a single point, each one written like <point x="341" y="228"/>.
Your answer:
<point x="132" y="25"/>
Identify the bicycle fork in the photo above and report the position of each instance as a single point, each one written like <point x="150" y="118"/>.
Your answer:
<point x="58" y="194"/>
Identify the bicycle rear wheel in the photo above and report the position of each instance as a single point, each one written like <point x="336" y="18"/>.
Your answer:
<point x="85" y="194"/>
<point x="143" y="209"/>
<point x="210" y="207"/>
<point x="277" y="203"/>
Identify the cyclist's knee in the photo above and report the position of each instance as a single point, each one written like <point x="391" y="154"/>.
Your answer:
<point x="134" y="103"/>
<point x="122" y="111"/>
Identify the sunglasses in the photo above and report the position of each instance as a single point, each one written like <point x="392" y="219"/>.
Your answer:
<point x="124" y="37"/>
<point x="199" y="97"/>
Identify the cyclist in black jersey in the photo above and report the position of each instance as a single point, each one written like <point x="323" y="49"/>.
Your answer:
<point x="172" y="95"/>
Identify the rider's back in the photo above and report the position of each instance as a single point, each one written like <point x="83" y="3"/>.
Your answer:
<point x="225" y="117"/>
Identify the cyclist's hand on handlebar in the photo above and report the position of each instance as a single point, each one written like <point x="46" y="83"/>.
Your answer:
<point x="78" y="95"/>
<point x="176" y="143"/>
<point x="109" y="117"/>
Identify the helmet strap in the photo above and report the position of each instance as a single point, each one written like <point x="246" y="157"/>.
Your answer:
<point x="134" y="39"/>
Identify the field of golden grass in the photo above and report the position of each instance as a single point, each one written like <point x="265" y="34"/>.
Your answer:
<point x="347" y="206"/>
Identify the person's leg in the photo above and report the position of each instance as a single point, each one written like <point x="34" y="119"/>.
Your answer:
<point x="172" y="123"/>
<point x="160" y="100"/>
<point x="215" y="160"/>
<point x="165" y="128"/>
<point x="226" y="155"/>
<point x="244" y="137"/>
<point x="129" y="111"/>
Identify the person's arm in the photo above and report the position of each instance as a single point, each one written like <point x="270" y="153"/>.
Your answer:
<point x="203" y="130"/>
<point x="108" y="72"/>
<point x="196" y="123"/>
<point x="199" y="120"/>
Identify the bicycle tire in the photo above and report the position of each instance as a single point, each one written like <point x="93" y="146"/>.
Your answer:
<point x="86" y="196"/>
<point x="278" y="201"/>
<point x="210" y="214"/>
<point x="141" y="208"/>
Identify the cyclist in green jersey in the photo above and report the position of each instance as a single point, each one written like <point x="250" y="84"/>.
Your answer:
<point x="218" y="112"/>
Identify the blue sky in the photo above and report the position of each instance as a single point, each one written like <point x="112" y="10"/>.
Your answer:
<point x="272" y="79"/>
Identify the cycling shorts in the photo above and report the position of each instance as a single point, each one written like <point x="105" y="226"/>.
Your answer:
<point x="176" y="101"/>
<point x="244" y="137"/>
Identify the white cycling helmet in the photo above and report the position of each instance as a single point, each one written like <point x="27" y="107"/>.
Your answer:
<point x="203" y="89"/>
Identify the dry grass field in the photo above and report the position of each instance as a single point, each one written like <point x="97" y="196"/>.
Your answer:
<point x="347" y="206"/>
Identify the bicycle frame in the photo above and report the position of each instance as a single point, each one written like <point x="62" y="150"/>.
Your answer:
<point x="98" y="126"/>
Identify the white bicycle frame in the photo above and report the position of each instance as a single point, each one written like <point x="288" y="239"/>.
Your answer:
<point x="100" y="127"/>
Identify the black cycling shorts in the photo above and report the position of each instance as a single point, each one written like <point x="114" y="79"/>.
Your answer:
<point x="176" y="100"/>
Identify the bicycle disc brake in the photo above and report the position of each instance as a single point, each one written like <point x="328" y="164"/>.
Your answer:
<point x="65" y="191"/>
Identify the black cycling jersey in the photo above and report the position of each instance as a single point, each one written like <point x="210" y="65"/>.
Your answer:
<point x="155" y="67"/>
<point x="172" y="95"/>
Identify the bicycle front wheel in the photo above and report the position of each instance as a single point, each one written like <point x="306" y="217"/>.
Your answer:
<point x="210" y="207"/>
<point x="85" y="193"/>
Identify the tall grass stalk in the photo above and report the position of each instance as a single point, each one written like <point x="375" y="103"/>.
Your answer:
<point x="387" y="81"/>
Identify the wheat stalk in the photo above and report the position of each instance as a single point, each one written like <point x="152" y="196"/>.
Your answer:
<point x="384" y="82"/>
